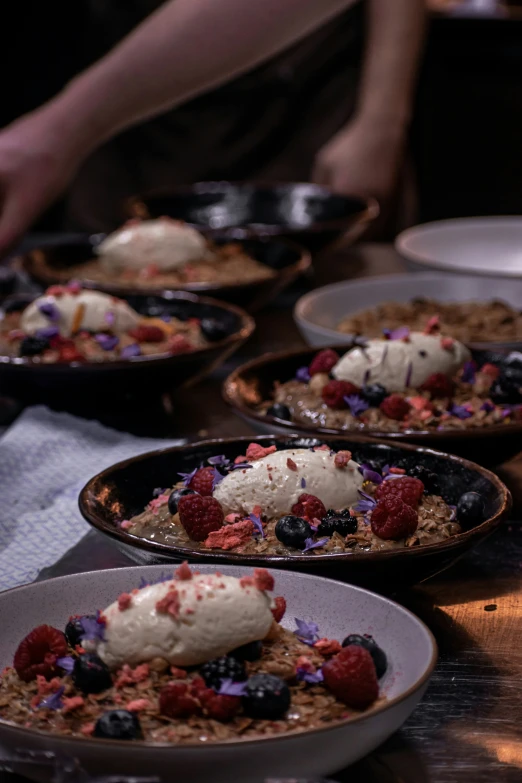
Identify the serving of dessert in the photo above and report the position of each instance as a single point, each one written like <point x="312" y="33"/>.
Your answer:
<point x="403" y="381"/>
<point x="160" y="253"/>
<point x="70" y="324"/>
<point x="190" y="659"/>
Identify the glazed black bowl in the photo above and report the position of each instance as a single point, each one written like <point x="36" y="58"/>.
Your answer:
<point x="30" y="381"/>
<point x="287" y="259"/>
<point x="254" y="382"/>
<point x="310" y="214"/>
<point x="125" y="489"/>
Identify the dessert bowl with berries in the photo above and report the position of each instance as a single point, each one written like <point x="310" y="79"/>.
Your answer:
<point x="352" y="509"/>
<point x="147" y="256"/>
<point x="71" y="338"/>
<point x="220" y="675"/>
<point x="418" y="387"/>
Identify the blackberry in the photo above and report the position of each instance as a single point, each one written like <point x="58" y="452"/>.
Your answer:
<point x="342" y="523"/>
<point x="266" y="697"/>
<point x="118" y="724"/>
<point x="174" y="497"/>
<point x="213" y="330"/>
<point x="225" y="668"/>
<point x="428" y="478"/>
<point x="248" y="652"/>
<point x="374" y="394"/>
<point x="32" y="346"/>
<point x="506" y="391"/>
<point x="74" y="629"/>
<point x="91" y="674"/>
<point x="470" y="509"/>
<point x="293" y="531"/>
<point x="279" y="411"/>
<point x="369" y="643"/>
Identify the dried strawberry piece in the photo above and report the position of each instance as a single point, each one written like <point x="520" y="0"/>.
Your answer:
<point x="279" y="608"/>
<point x="38" y="653"/>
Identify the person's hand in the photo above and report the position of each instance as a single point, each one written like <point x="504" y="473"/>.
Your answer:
<point x="363" y="158"/>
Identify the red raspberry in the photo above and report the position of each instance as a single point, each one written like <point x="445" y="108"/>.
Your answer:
<point x="323" y="361"/>
<point x="335" y="391"/>
<point x="395" y="407"/>
<point x="438" y="385"/>
<point x="279" y="609"/>
<point x="200" y="516"/>
<point x="218" y="706"/>
<point x="309" y="507"/>
<point x="176" y="701"/>
<point x="147" y="334"/>
<point x="408" y="489"/>
<point x="351" y="677"/>
<point x="202" y="481"/>
<point x="393" y="519"/>
<point x="38" y="652"/>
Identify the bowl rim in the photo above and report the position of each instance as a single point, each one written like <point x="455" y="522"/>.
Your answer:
<point x="370" y="206"/>
<point x="401" y="240"/>
<point x="99" y="523"/>
<point x="304" y="321"/>
<point x="233" y="398"/>
<point x="299" y="266"/>
<point x="141" y="744"/>
<point x="245" y="330"/>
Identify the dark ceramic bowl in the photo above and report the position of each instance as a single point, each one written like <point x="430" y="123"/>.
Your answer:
<point x="124" y="490"/>
<point x="308" y="213"/>
<point x="286" y="259"/>
<point x="254" y="381"/>
<point x="31" y="381"/>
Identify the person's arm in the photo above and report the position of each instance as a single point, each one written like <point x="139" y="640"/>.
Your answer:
<point x="183" y="49"/>
<point x="365" y="155"/>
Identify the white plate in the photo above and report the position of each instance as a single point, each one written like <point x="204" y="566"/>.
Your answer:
<point x="317" y="313"/>
<point x="339" y="609"/>
<point x="490" y="246"/>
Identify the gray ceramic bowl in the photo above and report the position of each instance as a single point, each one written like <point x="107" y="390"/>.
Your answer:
<point x="338" y="608"/>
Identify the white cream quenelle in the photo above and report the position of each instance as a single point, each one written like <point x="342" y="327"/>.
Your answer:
<point x="398" y="365"/>
<point x="90" y="310"/>
<point x="166" y="243"/>
<point x="185" y="621"/>
<point x="275" y="484"/>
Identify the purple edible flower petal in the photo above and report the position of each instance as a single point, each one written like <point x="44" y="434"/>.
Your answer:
<point x="166" y="318"/>
<point x="257" y="524"/>
<point x="109" y="317"/>
<point x="157" y="492"/>
<point x="230" y="688"/>
<point x="303" y="483"/>
<point x="241" y="466"/>
<point x="306" y="632"/>
<point x="92" y="628"/>
<point x="302" y="375"/>
<point x="366" y="377"/>
<point x="459" y="411"/>
<point x="163" y="577"/>
<point x="107" y="341"/>
<point x="369" y="474"/>
<point x="469" y="372"/>
<point x="367" y="503"/>
<point x="506" y="412"/>
<point x="311" y="677"/>
<point x="356" y="404"/>
<point x="53" y="702"/>
<point x="400" y="333"/>
<point x="385" y="470"/>
<point x="130" y="351"/>
<point x="453" y="512"/>
<point x="216" y="478"/>
<point x="220" y="460"/>
<point x="187" y="477"/>
<point x="409" y="373"/>
<point x="48" y="332"/>
<point x="50" y="311"/>
<point x="66" y="663"/>
<point x="487" y="406"/>
<point x="311" y="544"/>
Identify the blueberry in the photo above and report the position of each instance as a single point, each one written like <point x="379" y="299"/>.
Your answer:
<point x="248" y="652"/>
<point x="337" y="522"/>
<point x="374" y="394"/>
<point x="32" y="346"/>
<point x="266" y="697"/>
<point x="225" y="668"/>
<point x="506" y="391"/>
<point x="280" y="411"/>
<point x="428" y="478"/>
<point x="369" y="643"/>
<point x="91" y="674"/>
<point x="74" y="630"/>
<point x="119" y="725"/>
<point x="293" y="531"/>
<point x="470" y="509"/>
<point x="175" y="496"/>
<point x="213" y="330"/>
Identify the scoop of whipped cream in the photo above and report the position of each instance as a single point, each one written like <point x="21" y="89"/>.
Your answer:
<point x="90" y="310"/>
<point x="166" y="243"/>
<point x="276" y="481"/>
<point x="398" y="364"/>
<point x="185" y="621"/>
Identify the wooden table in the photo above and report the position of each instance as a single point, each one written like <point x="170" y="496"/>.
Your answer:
<point x="467" y="729"/>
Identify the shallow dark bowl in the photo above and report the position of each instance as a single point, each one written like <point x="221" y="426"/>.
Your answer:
<point x="31" y="381"/>
<point x="125" y="489"/>
<point x="310" y="214"/>
<point x="287" y="259"/>
<point x="254" y="381"/>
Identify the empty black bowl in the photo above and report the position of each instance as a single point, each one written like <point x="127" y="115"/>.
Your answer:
<point x="310" y="214"/>
<point x="46" y="265"/>
<point x="29" y="380"/>
<point x="125" y="489"/>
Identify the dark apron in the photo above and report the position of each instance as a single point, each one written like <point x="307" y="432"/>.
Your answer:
<point x="267" y="125"/>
